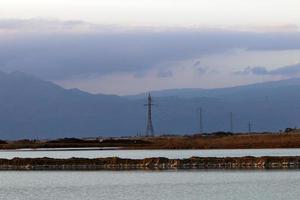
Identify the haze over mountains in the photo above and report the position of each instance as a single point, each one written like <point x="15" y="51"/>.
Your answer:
<point x="33" y="108"/>
<point x="238" y="92"/>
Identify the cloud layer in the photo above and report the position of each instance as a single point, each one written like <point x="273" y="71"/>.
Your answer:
<point x="287" y="71"/>
<point x="61" y="50"/>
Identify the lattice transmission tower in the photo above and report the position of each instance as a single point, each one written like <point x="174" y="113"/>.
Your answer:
<point x="149" y="129"/>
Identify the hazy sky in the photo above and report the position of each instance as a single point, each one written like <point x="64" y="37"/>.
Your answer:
<point x="129" y="46"/>
<point x="160" y="12"/>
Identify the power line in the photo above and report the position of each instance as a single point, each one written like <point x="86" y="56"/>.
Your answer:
<point x="249" y="127"/>
<point x="200" y="120"/>
<point x="231" y="122"/>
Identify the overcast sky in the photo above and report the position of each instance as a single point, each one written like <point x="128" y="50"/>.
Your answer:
<point x="159" y="12"/>
<point x="131" y="46"/>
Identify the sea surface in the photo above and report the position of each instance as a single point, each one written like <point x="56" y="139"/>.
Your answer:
<point x="140" y="154"/>
<point x="150" y="185"/>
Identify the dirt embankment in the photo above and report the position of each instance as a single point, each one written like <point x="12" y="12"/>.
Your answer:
<point x="217" y="141"/>
<point x="235" y="141"/>
<point x="150" y="163"/>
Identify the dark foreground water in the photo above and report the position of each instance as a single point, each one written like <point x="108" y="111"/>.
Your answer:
<point x="146" y="185"/>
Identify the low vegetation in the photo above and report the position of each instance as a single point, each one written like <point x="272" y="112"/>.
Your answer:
<point x="219" y="140"/>
<point x="228" y="141"/>
<point x="74" y="143"/>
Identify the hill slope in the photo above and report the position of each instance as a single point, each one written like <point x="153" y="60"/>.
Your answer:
<point x="253" y="90"/>
<point x="33" y="108"/>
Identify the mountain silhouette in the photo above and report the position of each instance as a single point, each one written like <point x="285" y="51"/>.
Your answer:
<point x="37" y="109"/>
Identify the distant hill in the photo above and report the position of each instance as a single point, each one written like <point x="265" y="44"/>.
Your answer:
<point x="33" y="108"/>
<point x="254" y="90"/>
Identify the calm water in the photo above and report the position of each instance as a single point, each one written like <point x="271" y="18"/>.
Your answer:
<point x="84" y="153"/>
<point x="146" y="185"/>
<point x="167" y="185"/>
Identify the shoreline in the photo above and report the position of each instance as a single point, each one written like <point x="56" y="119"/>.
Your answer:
<point x="62" y="149"/>
<point x="128" y="149"/>
<point x="158" y="163"/>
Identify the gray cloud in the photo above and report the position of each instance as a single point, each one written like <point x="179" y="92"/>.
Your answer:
<point x="139" y="74"/>
<point x="62" y="55"/>
<point x="197" y="63"/>
<point x="252" y="70"/>
<point x="202" y="70"/>
<point x="288" y="71"/>
<point x="43" y="25"/>
<point x="165" y="73"/>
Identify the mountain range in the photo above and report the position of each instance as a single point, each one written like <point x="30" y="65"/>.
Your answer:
<point x="37" y="109"/>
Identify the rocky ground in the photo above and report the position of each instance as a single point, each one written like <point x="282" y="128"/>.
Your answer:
<point x="159" y="163"/>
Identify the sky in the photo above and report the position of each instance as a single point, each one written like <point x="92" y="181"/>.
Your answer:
<point x="132" y="46"/>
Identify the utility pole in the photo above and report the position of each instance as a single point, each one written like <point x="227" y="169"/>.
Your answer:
<point x="249" y="127"/>
<point x="231" y="122"/>
<point x="200" y="120"/>
<point x="149" y="129"/>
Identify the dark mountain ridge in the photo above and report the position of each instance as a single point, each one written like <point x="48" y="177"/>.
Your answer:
<point x="33" y="108"/>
